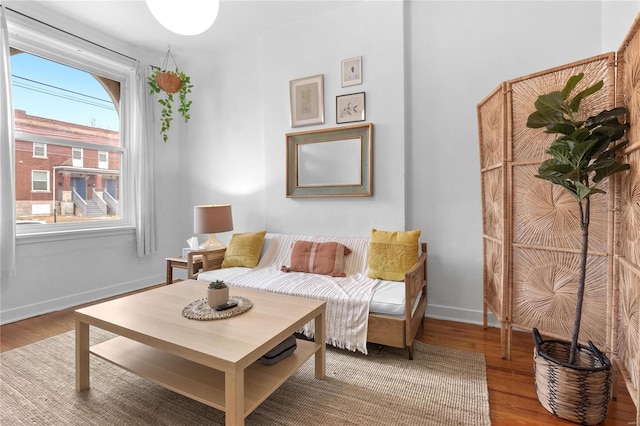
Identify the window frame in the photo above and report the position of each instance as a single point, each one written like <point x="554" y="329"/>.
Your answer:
<point x="50" y="43"/>
<point x="103" y="164"/>
<point x="44" y="149"/>
<point x="33" y="181"/>
<point x="77" y="162"/>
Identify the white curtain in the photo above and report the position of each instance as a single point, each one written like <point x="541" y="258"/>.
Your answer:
<point x="142" y="160"/>
<point x="7" y="157"/>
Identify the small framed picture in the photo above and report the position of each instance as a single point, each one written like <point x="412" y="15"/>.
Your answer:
<point x="307" y="101"/>
<point x="350" y="108"/>
<point x="352" y="71"/>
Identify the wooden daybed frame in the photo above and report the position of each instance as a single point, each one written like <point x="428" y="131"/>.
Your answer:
<point x="401" y="332"/>
<point x="397" y="332"/>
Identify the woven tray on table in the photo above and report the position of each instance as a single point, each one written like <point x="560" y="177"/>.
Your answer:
<point x="579" y="393"/>
<point x="200" y="309"/>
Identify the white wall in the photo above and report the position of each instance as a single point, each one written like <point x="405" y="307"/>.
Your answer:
<point x="372" y="30"/>
<point x="426" y="66"/>
<point x="617" y="20"/>
<point x="222" y="148"/>
<point x="459" y="52"/>
<point x="485" y="44"/>
<point x="237" y="153"/>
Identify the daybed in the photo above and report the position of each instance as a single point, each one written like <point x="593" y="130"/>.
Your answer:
<point x="360" y="309"/>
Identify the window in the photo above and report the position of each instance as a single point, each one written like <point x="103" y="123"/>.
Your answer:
<point x="103" y="160"/>
<point x="76" y="155"/>
<point x="39" y="180"/>
<point x="68" y="96"/>
<point x="40" y="150"/>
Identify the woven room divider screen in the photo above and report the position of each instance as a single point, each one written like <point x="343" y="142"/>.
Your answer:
<point x="531" y="229"/>
<point x="625" y="344"/>
<point x="492" y="133"/>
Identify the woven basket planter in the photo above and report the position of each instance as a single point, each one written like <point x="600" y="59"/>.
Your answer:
<point x="168" y="82"/>
<point x="579" y="393"/>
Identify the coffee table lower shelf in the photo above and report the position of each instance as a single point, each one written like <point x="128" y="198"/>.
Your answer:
<point x="197" y="381"/>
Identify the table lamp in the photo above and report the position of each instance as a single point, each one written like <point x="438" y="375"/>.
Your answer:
<point x="209" y="219"/>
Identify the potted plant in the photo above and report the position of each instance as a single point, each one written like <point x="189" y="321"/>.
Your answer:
<point x="170" y="82"/>
<point x="217" y="293"/>
<point x="573" y="381"/>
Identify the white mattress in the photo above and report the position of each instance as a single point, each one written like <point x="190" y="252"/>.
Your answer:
<point x="387" y="299"/>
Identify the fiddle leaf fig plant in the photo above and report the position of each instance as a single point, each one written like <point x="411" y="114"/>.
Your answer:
<point x="585" y="153"/>
<point x="180" y="84"/>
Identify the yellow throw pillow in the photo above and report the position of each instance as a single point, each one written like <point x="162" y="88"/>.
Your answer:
<point x="244" y="250"/>
<point x="391" y="254"/>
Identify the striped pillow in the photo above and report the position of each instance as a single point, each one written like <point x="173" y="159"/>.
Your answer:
<point x="318" y="258"/>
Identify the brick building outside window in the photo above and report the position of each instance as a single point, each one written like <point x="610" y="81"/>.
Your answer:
<point x="57" y="182"/>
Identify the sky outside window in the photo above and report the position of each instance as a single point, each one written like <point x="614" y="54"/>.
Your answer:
<point x="48" y="89"/>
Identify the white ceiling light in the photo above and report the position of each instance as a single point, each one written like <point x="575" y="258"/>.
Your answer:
<point x="186" y="17"/>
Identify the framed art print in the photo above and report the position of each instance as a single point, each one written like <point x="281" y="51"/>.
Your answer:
<point x="350" y="108"/>
<point x="307" y="101"/>
<point x="351" y="71"/>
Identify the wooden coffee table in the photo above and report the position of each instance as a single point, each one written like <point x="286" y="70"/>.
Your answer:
<point x="213" y="362"/>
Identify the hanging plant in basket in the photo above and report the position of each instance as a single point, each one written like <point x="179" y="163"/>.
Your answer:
<point x="170" y="82"/>
<point x="573" y="381"/>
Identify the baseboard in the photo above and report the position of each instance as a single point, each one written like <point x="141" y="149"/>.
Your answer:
<point x="54" y="305"/>
<point x="469" y="316"/>
<point x="448" y="313"/>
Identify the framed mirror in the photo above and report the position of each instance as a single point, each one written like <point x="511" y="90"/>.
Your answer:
<point x="333" y="162"/>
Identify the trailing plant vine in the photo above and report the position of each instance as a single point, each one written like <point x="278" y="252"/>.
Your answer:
<point x="167" y="101"/>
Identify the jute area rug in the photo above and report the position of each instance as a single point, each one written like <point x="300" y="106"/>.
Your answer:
<point x="439" y="387"/>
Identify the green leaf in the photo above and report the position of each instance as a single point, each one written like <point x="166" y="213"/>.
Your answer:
<point x="608" y="168"/>
<point x="571" y="84"/>
<point x="560" y="151"/>
<point x="537" y="120"/>
<point x="568" y="185"/>
<point x="582" y="191"/>
<point x="550" y="113"/>
<point x="552" y="103"/>
<point x="606" y="116"/>
<point x="613" y="150"/>
<point x="581" y="134"/>
<point x="587" y="151"/>
<point x="611" y="133"/>
<point x="555" y="168"/>
<point x="574" y="105"/>
<point x="564" y="127"/>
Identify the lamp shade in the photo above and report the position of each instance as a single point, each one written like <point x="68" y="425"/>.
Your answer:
<point x="189" y="17"/>
<point x="209" y="219"/>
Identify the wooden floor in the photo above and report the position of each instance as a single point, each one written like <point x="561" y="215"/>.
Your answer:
<point x="512" y="396"/>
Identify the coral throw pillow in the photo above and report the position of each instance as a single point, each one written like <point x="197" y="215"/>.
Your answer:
<point x="318" y="258"/>
<point x="391" y="254"/>
<point x="244" y="250"/>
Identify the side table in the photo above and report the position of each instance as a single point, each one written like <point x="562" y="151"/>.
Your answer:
<point x="182" y="263"/>
<point x="197" y="260"/>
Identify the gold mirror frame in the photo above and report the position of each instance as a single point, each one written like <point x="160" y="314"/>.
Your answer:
<point x="341" y="165"/>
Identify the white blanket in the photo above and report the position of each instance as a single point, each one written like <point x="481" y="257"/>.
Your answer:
<point x="347" y="298"/>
